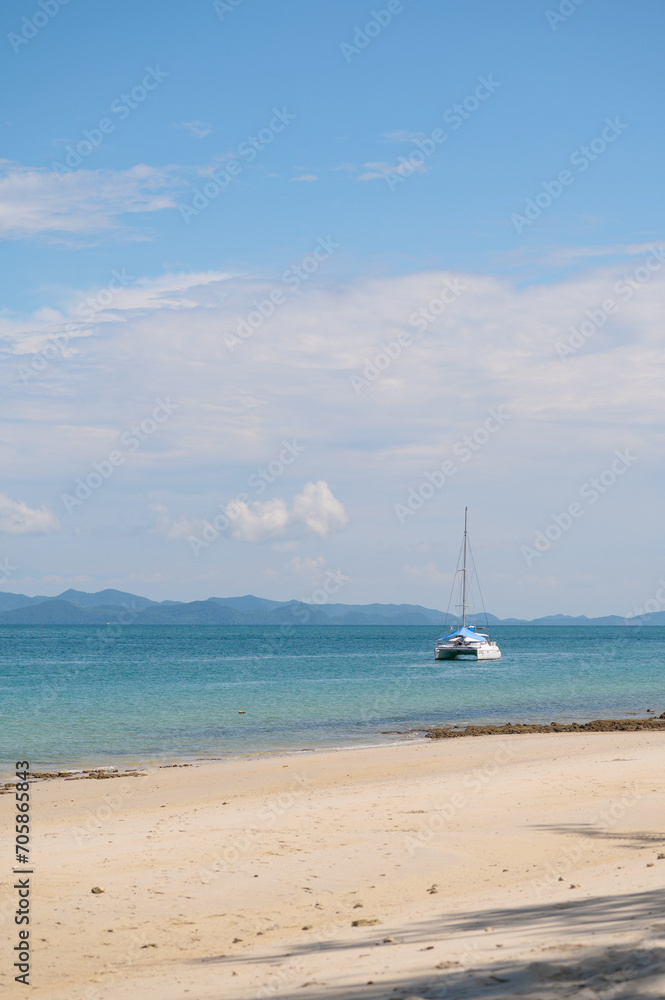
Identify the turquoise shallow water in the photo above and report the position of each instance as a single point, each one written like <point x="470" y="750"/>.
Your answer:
<point x="130" y="694"/>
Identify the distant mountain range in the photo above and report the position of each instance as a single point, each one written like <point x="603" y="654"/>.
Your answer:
<point x="74" y="607"/>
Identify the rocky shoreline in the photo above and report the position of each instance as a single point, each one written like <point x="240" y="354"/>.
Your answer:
<point x="508" y="729"/>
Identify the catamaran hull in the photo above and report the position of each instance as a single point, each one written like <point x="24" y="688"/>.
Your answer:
<point x="492" y="652"/>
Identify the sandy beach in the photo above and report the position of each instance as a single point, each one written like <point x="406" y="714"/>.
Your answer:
<point x="493" y="866"/>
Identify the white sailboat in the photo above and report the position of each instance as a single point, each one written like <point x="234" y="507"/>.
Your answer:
<point x="466" y="640"/>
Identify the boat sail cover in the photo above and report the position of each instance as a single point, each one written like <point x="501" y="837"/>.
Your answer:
<point x="468" y="632"/>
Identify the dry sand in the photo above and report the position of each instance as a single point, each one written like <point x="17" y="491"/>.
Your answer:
<point x="516" y="866"/>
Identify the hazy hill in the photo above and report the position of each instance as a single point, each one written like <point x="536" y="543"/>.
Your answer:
<point x="108" y="597"/>
<point x="248" y="603"/>
<point x="195" y="613"/>
<point x="56" y="612"/>
<point x="75" y="607"/>
<point x="10" y="601"/>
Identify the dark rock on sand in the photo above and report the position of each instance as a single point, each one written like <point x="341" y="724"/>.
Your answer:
<point x="597" y="726"/>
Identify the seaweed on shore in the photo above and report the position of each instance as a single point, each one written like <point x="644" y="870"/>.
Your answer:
<point x="508" y="729"/>
<point x="94" y="773"/>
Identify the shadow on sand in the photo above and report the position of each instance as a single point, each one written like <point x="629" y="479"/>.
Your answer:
<point x="630" y="970"/>
<point x="634" y="840"/>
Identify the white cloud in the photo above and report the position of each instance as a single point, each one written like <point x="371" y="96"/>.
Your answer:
<point x="203" y="289"/>
<point x="307" y="567"/>
<point x="35" y="334"/>
<point x="315" y="507"/>
<point x="259" y="521"/>
<point x="197" y="129"/>
<point x="305" y="177"/>
<point x="493" y="345"/>
<point x="16" y="518"/>
<point x="36" y="202"/>
<point x="402" y="136"/>
<point x="379" y="169"/>
<point x="171" y="529"/>
<point x="319" y="509"/>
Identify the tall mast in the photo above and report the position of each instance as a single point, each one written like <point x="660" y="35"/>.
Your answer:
<point x="464" y="574"/>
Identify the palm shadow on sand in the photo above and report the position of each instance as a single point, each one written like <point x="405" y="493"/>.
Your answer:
<point x="628" y="971"/>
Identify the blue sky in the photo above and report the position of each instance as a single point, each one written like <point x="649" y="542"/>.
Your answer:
<point x="371" y="158"/>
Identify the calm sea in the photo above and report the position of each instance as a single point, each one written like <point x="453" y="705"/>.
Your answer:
<point x="73" y="695"/>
